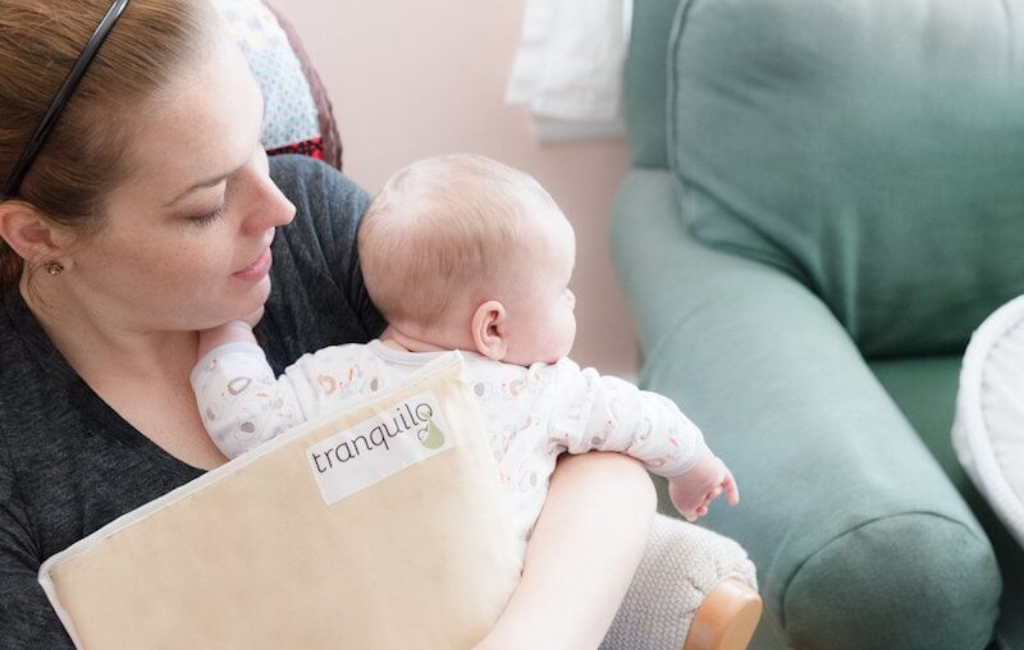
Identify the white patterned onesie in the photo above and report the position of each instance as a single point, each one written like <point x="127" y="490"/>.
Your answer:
<point x="531" y="415"/>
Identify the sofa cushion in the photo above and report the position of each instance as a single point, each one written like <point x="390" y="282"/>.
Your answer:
<point x="644" y="86"/>
<point x="872" y="148"/>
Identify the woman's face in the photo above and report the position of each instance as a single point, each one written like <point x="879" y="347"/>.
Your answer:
<point x="185" y="242"/>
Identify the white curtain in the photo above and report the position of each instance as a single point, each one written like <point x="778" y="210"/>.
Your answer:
<point x="568" y="68"/>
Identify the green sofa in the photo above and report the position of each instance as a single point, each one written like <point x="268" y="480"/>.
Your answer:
<point x="827" y="197"/>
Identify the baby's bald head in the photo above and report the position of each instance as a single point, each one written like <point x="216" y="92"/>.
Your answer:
<point x="448" y="232"/>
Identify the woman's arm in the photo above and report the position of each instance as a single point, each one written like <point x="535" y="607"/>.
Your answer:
<point x="582" y="555"/>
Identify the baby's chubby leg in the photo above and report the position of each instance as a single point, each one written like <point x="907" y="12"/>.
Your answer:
<point x="686" y="568"/>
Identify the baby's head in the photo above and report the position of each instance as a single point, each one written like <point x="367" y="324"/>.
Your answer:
<point x="463" y="252"/>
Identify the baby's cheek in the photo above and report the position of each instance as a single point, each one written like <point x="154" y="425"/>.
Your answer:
<point x="569" y="332"/>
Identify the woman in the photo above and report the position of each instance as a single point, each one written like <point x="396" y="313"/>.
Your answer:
<point x="147" y="213"/>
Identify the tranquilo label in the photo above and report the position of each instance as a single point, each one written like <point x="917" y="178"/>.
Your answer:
<point x="353" y="460"/>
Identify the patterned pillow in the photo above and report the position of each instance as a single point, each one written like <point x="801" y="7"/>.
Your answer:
<point x="299" y="114"/>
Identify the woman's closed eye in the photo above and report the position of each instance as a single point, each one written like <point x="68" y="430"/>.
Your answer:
<point x="209" y="217"/>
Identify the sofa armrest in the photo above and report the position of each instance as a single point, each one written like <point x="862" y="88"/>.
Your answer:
<point x="853" y="526"/>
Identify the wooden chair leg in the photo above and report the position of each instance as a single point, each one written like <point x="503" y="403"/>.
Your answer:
<point x="726" y="620"/>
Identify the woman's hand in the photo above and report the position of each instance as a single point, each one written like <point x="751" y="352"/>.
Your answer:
<point x="582" y="555"/>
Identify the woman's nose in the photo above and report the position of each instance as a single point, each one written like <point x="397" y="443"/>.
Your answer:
<point x="572" y="299"/>
<point x="269" y="207"/>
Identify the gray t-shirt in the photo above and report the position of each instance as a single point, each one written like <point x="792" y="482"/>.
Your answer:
<point x="69" y="464"/>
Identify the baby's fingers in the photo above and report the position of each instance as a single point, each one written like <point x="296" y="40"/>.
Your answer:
<point x="708" y="498"/>
<point x="732" y="491"/>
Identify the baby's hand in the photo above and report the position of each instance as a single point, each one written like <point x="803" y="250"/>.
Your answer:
<point x="230" y="332"/>
<point x="694" y="491"/>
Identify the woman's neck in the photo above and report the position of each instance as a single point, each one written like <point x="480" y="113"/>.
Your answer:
<point x="96" y="341"/>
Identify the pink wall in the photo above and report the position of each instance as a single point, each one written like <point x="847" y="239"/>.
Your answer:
<point x="414" y="79"/>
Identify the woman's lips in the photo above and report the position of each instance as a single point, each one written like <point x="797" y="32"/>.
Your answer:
<point x="257" y="269"/>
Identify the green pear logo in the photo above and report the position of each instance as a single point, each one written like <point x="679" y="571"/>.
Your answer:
<point x="434" y="438"/>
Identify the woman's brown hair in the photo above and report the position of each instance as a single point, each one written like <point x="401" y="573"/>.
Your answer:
<point x="84" y="157"/>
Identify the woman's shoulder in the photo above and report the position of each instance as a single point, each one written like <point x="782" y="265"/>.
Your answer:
<point x="328" y="204"/>
<point x="25" y="350"/>
<point x="318" y="297"/>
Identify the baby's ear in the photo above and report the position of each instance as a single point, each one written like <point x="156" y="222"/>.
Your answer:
<point x="489" y="334"/>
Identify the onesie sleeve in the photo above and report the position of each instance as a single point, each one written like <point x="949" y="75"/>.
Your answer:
<point x="27" y="621"/>
<point x="241" y="403"/>
<point x="601" y="413"/>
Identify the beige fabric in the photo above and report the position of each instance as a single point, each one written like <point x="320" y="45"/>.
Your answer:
<point x="250" y="556"/>
<point x="682" y="563"/>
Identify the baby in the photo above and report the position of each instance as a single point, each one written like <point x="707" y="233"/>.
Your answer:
<point x="463" y="253"/>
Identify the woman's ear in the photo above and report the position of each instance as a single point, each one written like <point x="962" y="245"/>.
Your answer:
<point x="489" y="330"/>
<point x="33" y="237"/>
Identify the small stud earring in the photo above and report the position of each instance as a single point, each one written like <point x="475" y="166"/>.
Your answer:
<point x="54" y="268"/>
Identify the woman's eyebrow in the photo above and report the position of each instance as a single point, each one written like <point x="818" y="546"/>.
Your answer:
<point x="210" y="182"/>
